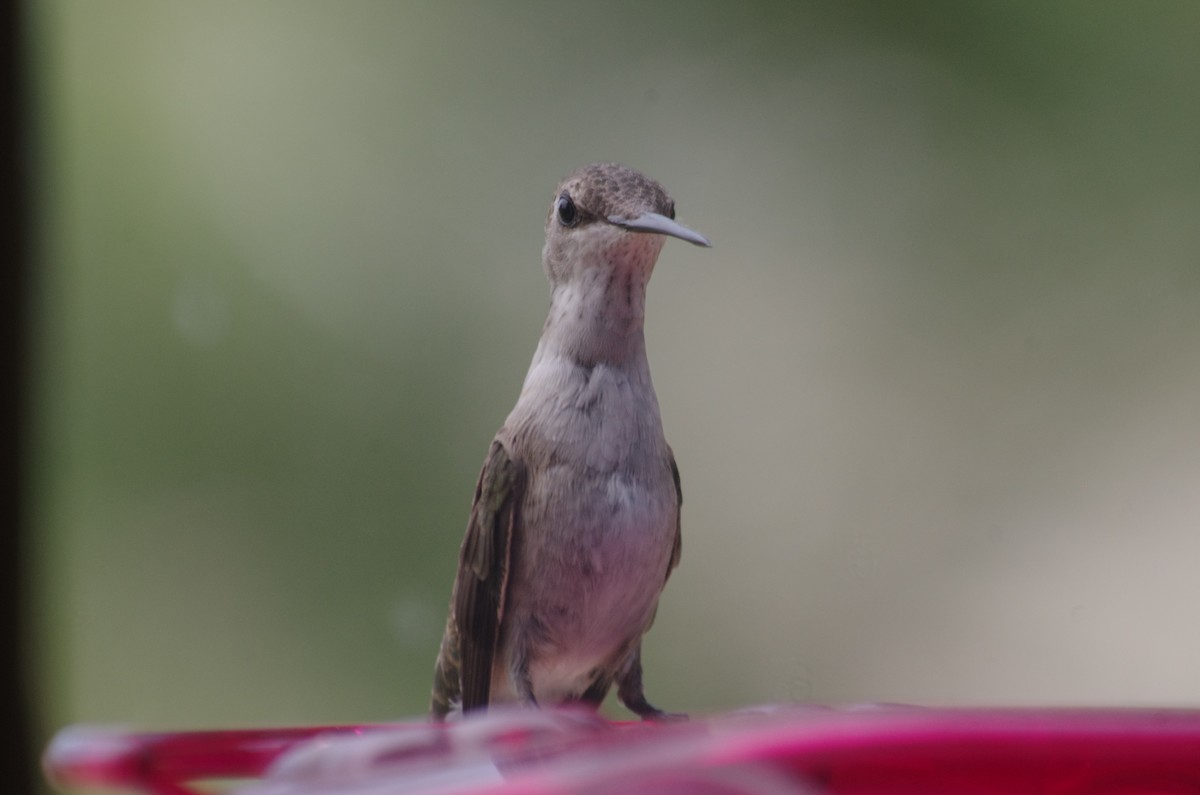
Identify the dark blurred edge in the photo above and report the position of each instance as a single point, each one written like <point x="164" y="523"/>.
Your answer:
<point x="19" y="771"/>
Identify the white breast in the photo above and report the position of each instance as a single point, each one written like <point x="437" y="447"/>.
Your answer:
<point x="599" y="516"/>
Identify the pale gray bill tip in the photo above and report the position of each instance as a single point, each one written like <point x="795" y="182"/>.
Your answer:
<point x="659" y="224"/>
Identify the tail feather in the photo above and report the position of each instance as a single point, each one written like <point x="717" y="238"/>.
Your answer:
<point x="447" y="675"/>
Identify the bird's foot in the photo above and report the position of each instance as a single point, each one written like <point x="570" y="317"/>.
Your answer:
<point x="658" y="716"/>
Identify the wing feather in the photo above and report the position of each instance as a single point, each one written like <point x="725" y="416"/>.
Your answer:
<point x="677" y="551"/>
<point x="483" y="571"/>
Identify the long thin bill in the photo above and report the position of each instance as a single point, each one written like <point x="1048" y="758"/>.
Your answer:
<point x="659" y="225"/>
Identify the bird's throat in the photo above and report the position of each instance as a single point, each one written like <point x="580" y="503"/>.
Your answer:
<point x="598" y="317"/>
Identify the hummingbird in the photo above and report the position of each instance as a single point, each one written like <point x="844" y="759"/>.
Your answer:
<point x="575" y="525"/>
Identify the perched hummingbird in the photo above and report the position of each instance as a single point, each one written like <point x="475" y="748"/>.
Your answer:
<point x="575" y="525"/>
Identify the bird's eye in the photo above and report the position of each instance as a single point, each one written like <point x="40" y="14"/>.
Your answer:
<point x="671" y="210"/>
<point x="567" y="214"/>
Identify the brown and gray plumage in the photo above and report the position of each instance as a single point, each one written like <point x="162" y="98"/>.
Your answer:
<point x="575" y="525"/>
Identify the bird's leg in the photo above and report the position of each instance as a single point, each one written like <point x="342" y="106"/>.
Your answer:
<point x="632" y="694"/>
<point x="596" y="693"/>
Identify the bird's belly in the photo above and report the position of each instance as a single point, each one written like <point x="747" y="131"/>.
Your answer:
<point x="592" y="583"/>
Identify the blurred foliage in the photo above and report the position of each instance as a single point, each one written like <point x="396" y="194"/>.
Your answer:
<point x="933" y="393"/>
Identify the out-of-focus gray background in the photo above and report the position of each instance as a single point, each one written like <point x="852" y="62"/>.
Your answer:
<point x="935" y="391"/>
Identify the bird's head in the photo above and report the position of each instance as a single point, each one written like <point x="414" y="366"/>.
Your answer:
<point x="610" y="217"/>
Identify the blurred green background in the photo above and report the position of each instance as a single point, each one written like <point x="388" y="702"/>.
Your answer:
<point x="935" y="392"/>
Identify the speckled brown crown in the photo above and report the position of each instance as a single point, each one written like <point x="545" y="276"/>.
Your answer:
<point x="606" y="189"/>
